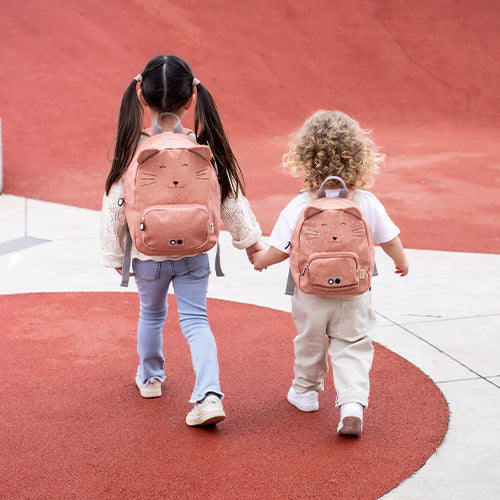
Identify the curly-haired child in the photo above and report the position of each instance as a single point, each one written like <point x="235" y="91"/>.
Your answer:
<point x="331" y="143"/>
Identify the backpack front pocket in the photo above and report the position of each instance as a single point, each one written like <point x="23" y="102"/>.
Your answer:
<point x="176" y="229"/>
<point x="330" y="271"/>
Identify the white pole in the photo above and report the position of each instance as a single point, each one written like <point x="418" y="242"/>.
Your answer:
<point x="1" y="172"/>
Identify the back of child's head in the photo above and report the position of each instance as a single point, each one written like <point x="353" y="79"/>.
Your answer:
<point x="167" y="84"/>
<point x="332" y="143"/>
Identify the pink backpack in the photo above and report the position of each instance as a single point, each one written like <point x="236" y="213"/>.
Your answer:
<point x="171" y="199"/>
<point x="331" y="251"/>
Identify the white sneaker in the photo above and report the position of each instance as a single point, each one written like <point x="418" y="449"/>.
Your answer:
<point x="306" y="401"/>
<point x="209" y="411"/>
<point x="151" y="390"/>
<point x="351" y="419"/>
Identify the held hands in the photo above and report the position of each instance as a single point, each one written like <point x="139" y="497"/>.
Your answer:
<point x="258" y="260"/>
<point x="255" y="253"/>
<point x="262" y="259"/>
<point x="251" y="250"/>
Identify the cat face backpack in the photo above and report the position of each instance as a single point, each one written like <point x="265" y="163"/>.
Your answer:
<point x="171" y="199"/>
<point x="331" y="251"/>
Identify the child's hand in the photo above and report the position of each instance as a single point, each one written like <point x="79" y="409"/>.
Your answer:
<point x="394" y="249"/>
<point x="119" y="271"/>
<point x="251" y="250"/>
<point x="402" y="268"/>
<point x="257" y="260"/>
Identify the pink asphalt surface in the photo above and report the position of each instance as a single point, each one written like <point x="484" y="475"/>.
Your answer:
<point x="423" y="75"/>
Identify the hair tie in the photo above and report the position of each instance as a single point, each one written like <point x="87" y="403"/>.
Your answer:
<point x="138" y="78"/>
<point x="195" y="81"/>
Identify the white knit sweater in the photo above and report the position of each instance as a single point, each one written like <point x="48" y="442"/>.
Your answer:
<point x="236" y="215"/>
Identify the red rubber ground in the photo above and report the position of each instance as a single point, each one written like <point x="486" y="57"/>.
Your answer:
<point x="75" y="426"/>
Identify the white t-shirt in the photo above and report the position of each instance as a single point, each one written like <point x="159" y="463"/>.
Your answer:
<point x="382" y="227"/>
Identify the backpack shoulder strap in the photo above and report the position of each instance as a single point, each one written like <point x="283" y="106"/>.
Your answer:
<point x="218" y="267"/>
<point x="355" y="196"/>
<point x="290" y="284"/>
<point x="126" y="259"/>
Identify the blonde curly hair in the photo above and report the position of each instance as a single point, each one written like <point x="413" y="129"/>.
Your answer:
<point x="332" y="143"/>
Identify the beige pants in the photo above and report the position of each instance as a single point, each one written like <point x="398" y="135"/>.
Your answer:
<point x="341" y="328"/>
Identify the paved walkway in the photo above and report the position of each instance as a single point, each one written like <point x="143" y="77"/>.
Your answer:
<point x="444" y="318"/>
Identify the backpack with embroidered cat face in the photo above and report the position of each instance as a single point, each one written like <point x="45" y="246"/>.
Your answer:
<point x="171" y="198"/>
<point x="331" y="251"/>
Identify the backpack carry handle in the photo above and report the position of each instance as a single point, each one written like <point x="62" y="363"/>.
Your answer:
<point x="177" y="128"/>
<point x="344" y="192"/>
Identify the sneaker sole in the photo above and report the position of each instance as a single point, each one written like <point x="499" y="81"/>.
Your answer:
<point x="300" y="406"/>
<point x="351" y="426"/>
<point x="210" y="419"/>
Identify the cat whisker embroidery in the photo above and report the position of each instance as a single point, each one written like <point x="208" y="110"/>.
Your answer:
<point x="311" y="234"/>
<point x="358" y="232"/>
<point x="202" y="174"/>
<point x="148" y="178"/>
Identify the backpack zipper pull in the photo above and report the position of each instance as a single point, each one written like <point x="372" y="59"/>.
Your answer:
<point x="304" y="271"/>
<point x="142" y="226"/>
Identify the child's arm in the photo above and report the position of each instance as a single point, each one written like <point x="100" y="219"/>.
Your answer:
<point x="265" y="258"/>
<point x="394" y="249"/>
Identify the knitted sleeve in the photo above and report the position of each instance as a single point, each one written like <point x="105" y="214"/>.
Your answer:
<point x="240" y="221"/>
<point x="113" y="227"/>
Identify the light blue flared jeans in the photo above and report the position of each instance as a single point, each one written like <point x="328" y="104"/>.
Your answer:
<point x="189" y="277"/>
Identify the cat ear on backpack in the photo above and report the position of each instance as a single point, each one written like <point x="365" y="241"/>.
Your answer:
<point x="310" y="211"/>
<point x="353" y="211"/>
<point x="145" y="154"/>
<point x="202" y="151"/>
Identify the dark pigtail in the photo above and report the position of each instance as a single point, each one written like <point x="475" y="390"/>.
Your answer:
<point x="128" y="134"/>
<point x="209" y="130"/>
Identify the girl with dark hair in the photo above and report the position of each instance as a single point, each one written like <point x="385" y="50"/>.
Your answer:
<point x="167" y="88"/>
